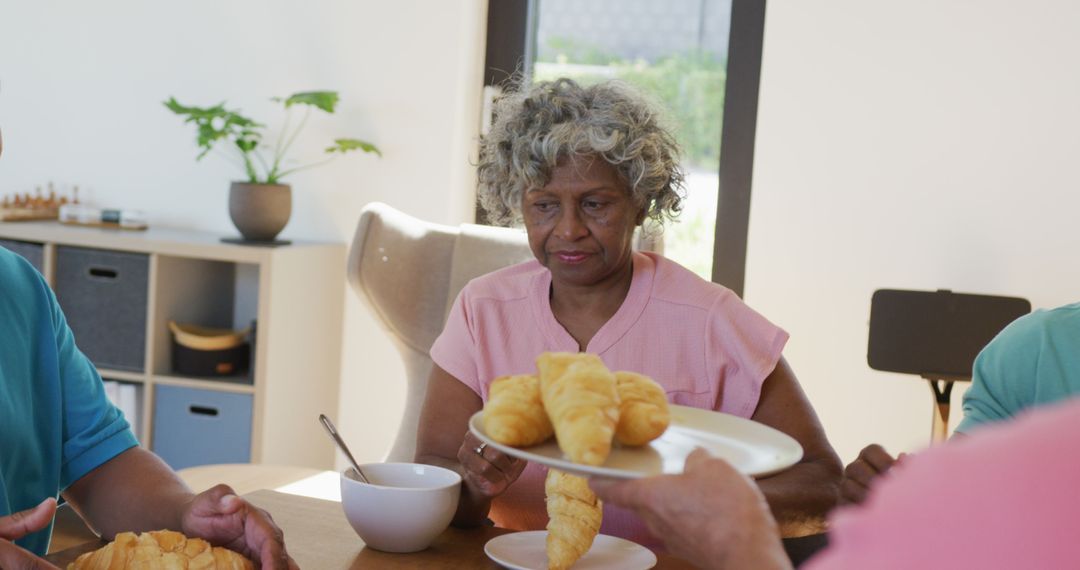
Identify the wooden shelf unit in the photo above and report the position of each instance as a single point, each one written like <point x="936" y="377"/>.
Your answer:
<point x="295" y="293"/>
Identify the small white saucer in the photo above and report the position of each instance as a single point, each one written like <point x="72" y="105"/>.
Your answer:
<point x="527" y="551"/>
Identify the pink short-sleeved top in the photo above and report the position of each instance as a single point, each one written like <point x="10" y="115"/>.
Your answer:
<point x="697" y="339"/>
<point x="1003" y="498"/>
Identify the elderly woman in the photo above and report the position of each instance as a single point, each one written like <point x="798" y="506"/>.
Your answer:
<point x="583" y="167"/>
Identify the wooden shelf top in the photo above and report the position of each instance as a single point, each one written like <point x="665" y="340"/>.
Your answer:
<point x="225" y="384"/>
<point x="166" y="241"/>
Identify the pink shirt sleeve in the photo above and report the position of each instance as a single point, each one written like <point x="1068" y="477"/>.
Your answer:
<point x="750" y="348"/>
<point x="455" y="349"/>
<point x="1003" y="498"/>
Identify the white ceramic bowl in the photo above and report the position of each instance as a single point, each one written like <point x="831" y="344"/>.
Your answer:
<point x="405" y="506"/>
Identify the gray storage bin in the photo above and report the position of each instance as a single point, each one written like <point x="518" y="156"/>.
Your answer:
<point x="33" y="252"/>
<point x="199" y="427"/>
<point x="103" y="294"/>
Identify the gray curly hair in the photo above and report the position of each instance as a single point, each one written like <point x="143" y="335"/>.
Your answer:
<point x="539" y="125"/>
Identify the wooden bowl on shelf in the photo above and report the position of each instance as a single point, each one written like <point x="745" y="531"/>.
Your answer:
<point x="204" y="351"/>
<point x="206" y="338"/>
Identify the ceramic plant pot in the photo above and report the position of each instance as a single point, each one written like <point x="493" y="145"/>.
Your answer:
<point x="260" y="211"/>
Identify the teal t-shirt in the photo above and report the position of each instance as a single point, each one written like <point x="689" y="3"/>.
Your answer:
<point x="1033" y="361"/>
<point x="56" y="423"/>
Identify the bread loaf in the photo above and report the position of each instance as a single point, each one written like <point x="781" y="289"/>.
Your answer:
<point x="160" y="550"/>
<point x="574" y="517"/>
<point x="643" y="409"/>
<point x="579" y="394"/>
<point x="514" y="414"/>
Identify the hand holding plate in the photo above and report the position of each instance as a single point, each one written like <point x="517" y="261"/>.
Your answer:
<point x="487" y="471"/>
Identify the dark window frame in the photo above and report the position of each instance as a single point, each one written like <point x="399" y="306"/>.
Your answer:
<point x="511" y="41"/>
<point x="737" y="137"/>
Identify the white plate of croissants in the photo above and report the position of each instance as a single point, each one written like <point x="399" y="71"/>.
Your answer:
<point x="613" y="424"/>
<point x="616" y="424"/>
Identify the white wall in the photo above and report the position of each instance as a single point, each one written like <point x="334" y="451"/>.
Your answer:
<point x="923" y="144"/>
<point x="81" y="86"/>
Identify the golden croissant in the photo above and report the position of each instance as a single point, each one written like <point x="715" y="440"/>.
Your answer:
<point x="579" y="394"/>
<point x="574" y="516"/>
<point x="643" y="409"/>
<point x="514" y="414"/>
<point x="160" y="550"/>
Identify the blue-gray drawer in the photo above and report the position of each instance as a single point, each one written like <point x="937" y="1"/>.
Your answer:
<point x="198" y="427"/>
<point x="33" y="252"/>
<point x="103" y="294"/>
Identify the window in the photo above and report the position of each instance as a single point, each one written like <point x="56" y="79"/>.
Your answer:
<point x="678" y="51"/>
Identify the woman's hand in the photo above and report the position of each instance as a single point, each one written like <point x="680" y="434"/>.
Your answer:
<point x="18" y="525"/>
<point x="222" y="518"/>
<point x="873" y="462"/>
<point x="443" y="439"/>
<point x="487" y="471"/>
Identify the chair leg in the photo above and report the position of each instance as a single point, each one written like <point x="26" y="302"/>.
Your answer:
<point x="939" y="429"/>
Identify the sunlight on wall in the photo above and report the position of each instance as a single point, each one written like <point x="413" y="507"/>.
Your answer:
<point x="883" y="162"/>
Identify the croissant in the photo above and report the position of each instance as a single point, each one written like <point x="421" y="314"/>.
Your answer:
<point x="514" y="414"/>
<point x="643" y="409"/>
<point x="160" y="550"/>
<point x="579" y="394"/>
<point x="574" y="516"/>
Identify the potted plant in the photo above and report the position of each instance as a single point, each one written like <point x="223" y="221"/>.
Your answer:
<point x="260" y="206"/>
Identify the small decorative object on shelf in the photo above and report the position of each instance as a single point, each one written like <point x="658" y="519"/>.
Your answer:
<point x="82" y="215"/>
<point x="26" y="207"/>
<point x="204" y="351"/>
<point x="261" y="205"/>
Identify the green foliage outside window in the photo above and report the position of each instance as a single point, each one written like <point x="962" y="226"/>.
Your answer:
<point x="689" y="86"/>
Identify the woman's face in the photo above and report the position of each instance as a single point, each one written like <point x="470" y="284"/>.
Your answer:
<point x="581" y="224"/>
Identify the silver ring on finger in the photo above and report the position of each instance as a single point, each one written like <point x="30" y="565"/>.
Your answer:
<point x="480" y="449"/>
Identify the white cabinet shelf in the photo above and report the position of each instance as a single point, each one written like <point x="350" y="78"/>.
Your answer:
<point x="294" y="294"/>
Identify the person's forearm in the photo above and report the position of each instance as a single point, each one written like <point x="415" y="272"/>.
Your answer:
<point x="472" y="508"/>
<point x="801" y="497"/>
<point x="134" y="491"/>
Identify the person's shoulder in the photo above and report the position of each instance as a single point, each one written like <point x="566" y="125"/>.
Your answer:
<point x="1041" y="324"/>
<point x="10" y="262"/>
<point x="506" y="284"/>
<point x="676" y="284"/>
<point x="23" y="290"/>
<point x="16" y="272"/>
<point x="1065" y="318"/>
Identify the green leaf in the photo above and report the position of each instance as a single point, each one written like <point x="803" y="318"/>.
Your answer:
<point x="175" y="106"/>
<point x="216" y="123"/>
<point x="246" y="145"/>
<point x="346" y="145"/>
<point x="325" y="100"/>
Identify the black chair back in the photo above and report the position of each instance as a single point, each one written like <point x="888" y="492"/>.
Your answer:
<point x="935" y="334"/>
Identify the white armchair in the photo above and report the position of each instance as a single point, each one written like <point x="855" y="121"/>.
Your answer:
<point x="409" y="271"/>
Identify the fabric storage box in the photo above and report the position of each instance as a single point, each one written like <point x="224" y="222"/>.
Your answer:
<point x="33" y="252"/>
<point x="199" y="427"/>
<point x="103" y="294"/>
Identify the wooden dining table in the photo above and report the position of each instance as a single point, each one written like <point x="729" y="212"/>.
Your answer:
<point x="318" y="536"/>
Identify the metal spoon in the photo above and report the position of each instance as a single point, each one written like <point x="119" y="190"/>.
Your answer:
<point x="330" y="429"/>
